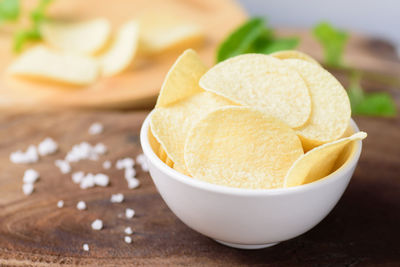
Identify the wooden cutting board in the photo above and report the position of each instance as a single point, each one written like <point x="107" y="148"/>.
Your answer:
<point x="362" y="229"/>
<point x="136" y="87"/>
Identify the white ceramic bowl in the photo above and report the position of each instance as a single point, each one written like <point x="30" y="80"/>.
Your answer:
<point x="246" y="218"/>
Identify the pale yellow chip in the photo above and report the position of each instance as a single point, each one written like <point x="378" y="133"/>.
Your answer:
<point x="293" y="54"/>
<point x="45" y="64"/>
<point x="182" y="79"/>
<point x="331" y="110"/>
<point x="318" y="162"/>
<point x="241" y="147"/>
<point x="170" y="125"/>
<point x="122" y="51"/>
<point x="160" y="33"/>
<point x="262" y="82"/>
<point x="87" y="37"/>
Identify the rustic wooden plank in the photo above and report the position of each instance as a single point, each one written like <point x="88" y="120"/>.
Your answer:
<point x="362" y="229"/>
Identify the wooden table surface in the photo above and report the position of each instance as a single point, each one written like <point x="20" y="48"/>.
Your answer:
<point x="362" y="230"/>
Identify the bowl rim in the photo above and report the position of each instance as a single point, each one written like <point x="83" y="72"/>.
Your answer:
<point x="182" y="178"/>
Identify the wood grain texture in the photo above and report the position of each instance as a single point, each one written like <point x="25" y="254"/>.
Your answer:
<point x="362" y="229"/>
<point x="139" y="85"/>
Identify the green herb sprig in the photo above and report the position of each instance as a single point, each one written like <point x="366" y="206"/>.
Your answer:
<point x="253" y="37"/>
<point x="9" y="10"/>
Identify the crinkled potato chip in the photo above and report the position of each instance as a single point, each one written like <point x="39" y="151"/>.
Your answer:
<point x="241" y="147"/>
<point x="160" y="33"/>
<point x="87" y="37"/>
<point x="42" y="63"/>
<point x="293" y="54"/>
<point x="122" y="50"/>
<point x="318" y="162"/>
<point x="170" y="125"/>
<point x="182" y="79"/>
<point x="331" y="111"/>
<point x="263" y="82"/>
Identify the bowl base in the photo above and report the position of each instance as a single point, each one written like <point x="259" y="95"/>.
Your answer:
<point x="243" y="246"/>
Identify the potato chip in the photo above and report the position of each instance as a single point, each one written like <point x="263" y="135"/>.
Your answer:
<point x="86" y="37"/>
<point x="241" y="147"/>
<point x="42" y="63"/>
<point x="171" y="124"/>
<point x="122" y="51"/>
<point x="182" y="79"/>
<point x="263" y="82"/>
<point x="331" y="111"/>
<point x="293" y="54"/>
<point x="318" y="162"/>
<point x="160" y="33"/>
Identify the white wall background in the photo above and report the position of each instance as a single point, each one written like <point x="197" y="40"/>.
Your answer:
<point x="380" y="18"/>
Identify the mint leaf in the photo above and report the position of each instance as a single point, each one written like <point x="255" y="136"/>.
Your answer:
<point x="241" y="39"/>
<point x="33" y="33"/>
<point x="9" y="10"/>
<point x="369" y="104"/>
<point x="333" y="42"/>
<point x="253" y="37"/>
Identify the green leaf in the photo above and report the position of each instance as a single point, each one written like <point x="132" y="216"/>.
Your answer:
<point x="376" y="104"/>
<point x="333" y="42"/>
<point x="253" y="37"/>
<point x="33" y="33"/>
<point x="240" y="40"/>
<point x="369" y="104"/>
<point x="9" y="10"/>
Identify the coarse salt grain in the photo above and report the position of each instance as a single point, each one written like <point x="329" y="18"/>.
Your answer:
<point x="129" y="213"/>
<point x="129" y="173"/>
<point x="117" y="198"/>
<point x="85" y="247"/>
<point x="27" y="189"/>
<point x="100" y="148"/>
<point x="87" y="181"/>
<point x="96" y="128"/>
<point x="128" y="239"/>
<point x="125" y="163"/>
<point x="101" y="179"/>
<point x="47" y="147"/>
<point x="29" y="156"/>
<point x="107" y="164"/>
<point x="142" y="160"/>
<point x="30" y="176"/>
<point x="60" y="204"/>
<point x="63" y="165"/>
<point x="133" y="183"/>
<point x="97" y="224"/>
<point x="81" y="205"/>
<point x="128" y="231"/>
<point x="77" y="177"/>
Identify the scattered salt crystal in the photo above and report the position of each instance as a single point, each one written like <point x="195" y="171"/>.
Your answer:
<point x="87" y="181"/>
<point x="29" y="156"/>
<point x="133" y="183"/>
<point x="63" y="165"/>
<point x="128" y="231"/>
<point x="77" y="177"/>
<point x="100" y="148"/>
<point x="107" y="164"/>
<point x="142" y="160"/>
<point x="125" y="163"/>
<point x="47" y="147"/>
<point x="117" y="198"/>
<point x="101" y="179"/>
<point x="60" y="204"/>
<point x="128" y="239"/>
<point x="85" y="247"/>
<point x="30" y="176"/>
<point x="27" y="189"/>
<point x="97" y="224"/>
<point x="96" y="128"/>
<point x="130" y="173"/>
<point x="129" y="213"/>
<point x="81" y="205"/>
